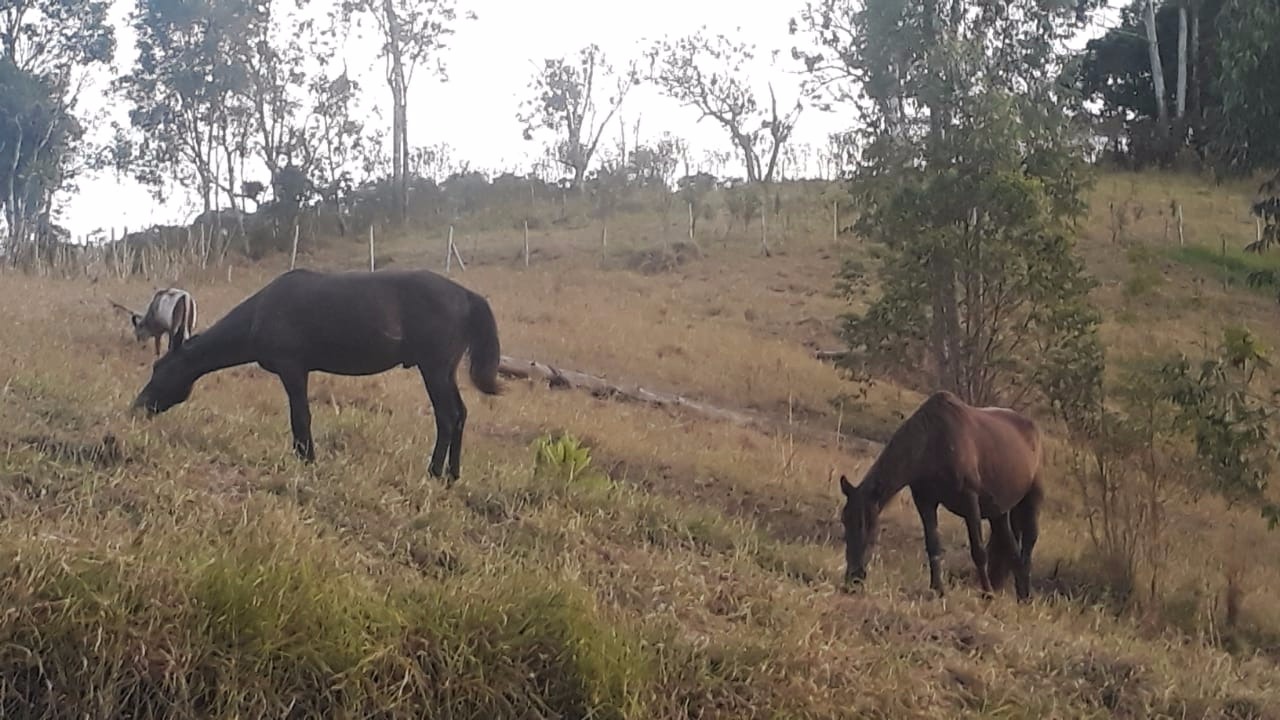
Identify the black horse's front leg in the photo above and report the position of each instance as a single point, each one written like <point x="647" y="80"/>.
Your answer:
<point x="295" y="385"/>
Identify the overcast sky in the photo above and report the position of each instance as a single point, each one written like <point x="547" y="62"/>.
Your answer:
<point x="490" y="61"/>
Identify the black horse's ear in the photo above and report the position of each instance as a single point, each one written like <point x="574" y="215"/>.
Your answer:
<point x="846" y="488"/>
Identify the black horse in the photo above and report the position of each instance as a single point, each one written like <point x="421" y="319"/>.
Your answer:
<point x="349" y="323"/>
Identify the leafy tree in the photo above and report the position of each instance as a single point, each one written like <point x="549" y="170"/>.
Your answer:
<point x="576" y="100"/>
<point x="1116" y="72"/>
<point x="273" y="65"/>
<point x="187" y="89"/>
<point x="1230" y="424"/>
<point x="694" y="190"/>
<point x="46" y="49"/>
<point x="37" y="135"/>
<point x="413" y="33"/>
<point x="1249" y="64"/>
<point x="338" y="140"/>
<point x="653" y="164"/>
<point x="971" y="174"/>
<point x="706" y="72"/>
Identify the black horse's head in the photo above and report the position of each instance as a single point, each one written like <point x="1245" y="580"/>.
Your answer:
<point x="861" y="519"/>
<point x="170" y="384"/>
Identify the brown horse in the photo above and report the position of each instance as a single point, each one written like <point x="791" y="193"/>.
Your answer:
<point x="976" y="462"/>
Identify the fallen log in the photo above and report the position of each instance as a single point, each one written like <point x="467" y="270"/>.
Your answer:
<point x="561" y="378"/>
<point x="600" y="387"/>
<point x="829" y="355"/>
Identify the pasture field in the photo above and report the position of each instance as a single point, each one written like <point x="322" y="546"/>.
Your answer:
<point x="191" y="567"/>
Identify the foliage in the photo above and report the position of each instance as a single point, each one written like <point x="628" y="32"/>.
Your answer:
<point x="654" y="164"/>
<point x="1130" y="462"/>
<point x="37" y="136"/>
<point x="744" y="203"/>
<point x="56" y="39"/>
<point x="708" y="73"/>
<point x="186" y="92"/>
<point x="562" y="458"/>
<point x="974" y="189"/>
<point x="1229" y="424"/>
<point x="1231" y="95"/>
<point x="576" y="101"/>
<point x="1249" y="63"/>
<point x="1115" y="72"/>
<point x="46" y="49"/>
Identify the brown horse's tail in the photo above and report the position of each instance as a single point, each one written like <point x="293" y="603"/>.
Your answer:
<point x="486" y="352"/>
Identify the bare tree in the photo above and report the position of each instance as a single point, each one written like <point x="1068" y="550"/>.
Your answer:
<point x="576" y="99"/>
<point x="707" y="73"/>
<point x="413" y="32"/>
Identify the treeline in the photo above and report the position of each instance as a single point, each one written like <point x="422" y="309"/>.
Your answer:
<point x="1190" y="82"/>
<point x="249" y="106"/>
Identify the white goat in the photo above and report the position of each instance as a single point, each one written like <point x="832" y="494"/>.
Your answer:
<point x="172" y="312"/>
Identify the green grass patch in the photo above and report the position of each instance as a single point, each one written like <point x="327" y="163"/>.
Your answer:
<point x="1234" y="266"/>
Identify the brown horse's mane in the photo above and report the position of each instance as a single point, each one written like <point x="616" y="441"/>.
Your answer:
<point x="909" y="444"/>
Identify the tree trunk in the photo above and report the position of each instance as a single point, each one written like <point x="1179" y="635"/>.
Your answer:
<point x="399" y="133"/>
<point x="1194" y="63"/>
<point x="1181" y="107"/>
<point x="1157" y="70"/>
<point x="402" y="198"/>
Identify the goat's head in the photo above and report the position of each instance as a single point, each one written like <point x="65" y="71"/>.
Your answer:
<point x="140" y="331"/>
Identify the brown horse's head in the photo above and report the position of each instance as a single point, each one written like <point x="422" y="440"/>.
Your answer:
<point x="861" y="530"/>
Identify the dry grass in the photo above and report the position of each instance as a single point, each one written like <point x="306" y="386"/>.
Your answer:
<point x="197" y="570"/>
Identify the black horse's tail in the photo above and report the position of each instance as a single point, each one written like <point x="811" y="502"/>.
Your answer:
<point x="486" y="353"/>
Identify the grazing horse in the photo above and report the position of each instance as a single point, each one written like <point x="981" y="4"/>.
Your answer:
<point x="976" y="462"/>
<point x="348" y="323"/>
<point x="172" y="312"/>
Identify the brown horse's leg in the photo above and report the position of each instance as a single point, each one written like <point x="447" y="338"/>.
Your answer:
<point x="973" y="521"/>
<point x="932" y="543"/>
<point x="157" y="339"/>
<point x="1027" y="517"/>
<point x="442" y="404"/>
<point x="295" y="386"/>
<point x="1002" y="553"/>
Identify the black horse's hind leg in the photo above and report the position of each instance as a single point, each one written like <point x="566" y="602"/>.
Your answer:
<point x="442" y="390"/>
<point x="455" y="442"/>
<point x="295" y="385"/>
<point x="973" y="521"/>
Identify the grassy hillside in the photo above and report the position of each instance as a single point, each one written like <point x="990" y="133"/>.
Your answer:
<point x="190" y="567"/>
